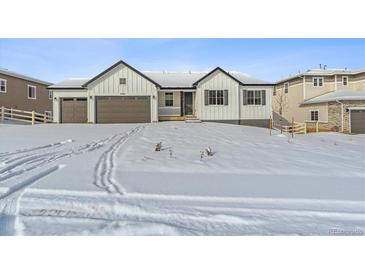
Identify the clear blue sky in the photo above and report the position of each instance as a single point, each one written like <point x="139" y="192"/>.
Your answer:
<point x="268" y="59"/>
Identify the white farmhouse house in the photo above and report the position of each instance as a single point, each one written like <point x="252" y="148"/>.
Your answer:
<point x="122" y="94"/>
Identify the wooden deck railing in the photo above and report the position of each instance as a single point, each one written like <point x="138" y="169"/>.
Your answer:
<point x="31" y="117"/>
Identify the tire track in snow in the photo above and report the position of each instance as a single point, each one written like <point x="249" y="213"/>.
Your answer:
<point x="104" y="168"/>
<point x="20" y="165"/>
<point x="6" y="155"/>
<point x="9" y="203"/>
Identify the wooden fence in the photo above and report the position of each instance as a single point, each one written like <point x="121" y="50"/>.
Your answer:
<point x="295" y="127"/>
<point x="31" y="117"/>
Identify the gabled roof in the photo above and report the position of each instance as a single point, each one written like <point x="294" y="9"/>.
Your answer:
<point x="241" y="78"/>
<point x="24" y="77"/>
<point x="336" y="95"/>
<point x="115" y="65"/>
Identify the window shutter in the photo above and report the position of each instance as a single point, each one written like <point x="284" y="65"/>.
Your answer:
<point x="206" y="97"/>
<point x="263" y="97"/>
<point x="244" y="97"/>
<point x="225" y="97"/>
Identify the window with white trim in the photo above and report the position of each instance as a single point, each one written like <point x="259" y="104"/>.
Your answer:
<point x="32" y="92"/>
<point x="50" y="94"/>
<point x="345" y="80"/>
<point x="216" y="97"/>
<point x="314" y="115"/>
<point x="318" y="81"/>
<point x="286" y="87"/>
<point x="3" y="85"/>
<point x="254" y="97"/>
<point x="169" y="99"/>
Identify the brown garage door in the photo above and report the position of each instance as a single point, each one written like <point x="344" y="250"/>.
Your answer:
<point x="358" y="121"/>
<point x="123" y="109"/>
<point x="74" y="110"/>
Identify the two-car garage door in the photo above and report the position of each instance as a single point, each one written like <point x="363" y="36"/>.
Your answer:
<point x="108" y="109"/>
<point x="123" y="109"/>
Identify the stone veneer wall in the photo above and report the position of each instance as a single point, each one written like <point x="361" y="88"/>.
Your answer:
<point x="334" y="117"/>
<point x="334" y="114"/>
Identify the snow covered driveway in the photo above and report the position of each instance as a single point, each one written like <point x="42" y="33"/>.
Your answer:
<point x="109" y="180"/>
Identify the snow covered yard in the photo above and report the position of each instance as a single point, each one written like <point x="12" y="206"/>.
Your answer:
<point x="109" y="180"/>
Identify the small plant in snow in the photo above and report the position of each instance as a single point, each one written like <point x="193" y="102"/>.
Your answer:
<point x="335" y="143"/>
<point x="158" y="146"/>
<point x="209" y="151"/>
<point x="201" y="155"/>
<point x="170" y="151"/>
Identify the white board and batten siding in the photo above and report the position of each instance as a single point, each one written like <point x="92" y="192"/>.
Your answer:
<point x="256" y="111"/>
<point x="69" y="93"/>
<point x="109" y="85"/>
<point x="235" y="110"/>
<point x="218" y="81"/>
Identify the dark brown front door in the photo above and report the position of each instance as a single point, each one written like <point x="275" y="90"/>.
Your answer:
<point x="123" y="109"/>
<point x="188" y="103"/>
<point x="74" y="110"/>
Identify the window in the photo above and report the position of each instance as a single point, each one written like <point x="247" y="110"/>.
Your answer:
<point x="2" y="85"/>
<point x="254" y="97"/>
<point x="318" y="81"/>
<point x="169" y="99"/>
<point x="314" y="115"/>
<point x="274" y="93"/>
<point x="216" y="97"/>
<point x="345" y="80"/>
<point x="50" y="94"/>
<point x="32" y="92"/>
<point x="122" y="81"/>
<point x="286" y="87"/>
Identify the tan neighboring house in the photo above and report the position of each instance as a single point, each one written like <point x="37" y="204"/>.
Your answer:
<point x="22" y="92"/>
<point x="333" y="99"/>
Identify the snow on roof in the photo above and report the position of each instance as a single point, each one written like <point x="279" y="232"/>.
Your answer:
<point x="324" y="72"/>
<point x="165" y="79"/>
<point x="187" y="79"/>
<point x="22" y="76"/>
<point x="71" y="83"/>
<point x="337" y="95"/>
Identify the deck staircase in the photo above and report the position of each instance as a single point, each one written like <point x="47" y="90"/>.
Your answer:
<point x="192" y="119"/>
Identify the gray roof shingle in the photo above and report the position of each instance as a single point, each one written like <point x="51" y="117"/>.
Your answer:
<point x="22" y="76"/>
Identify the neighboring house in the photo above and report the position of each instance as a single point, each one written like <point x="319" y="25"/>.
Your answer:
<point x="333" y="98"/>
<point x="24" y="93"/>
<point x="122" y="94"/>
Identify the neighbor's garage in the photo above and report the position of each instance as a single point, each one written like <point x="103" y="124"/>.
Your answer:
<point x="357" y="118"/>
<point x="74" y="110"/>
<point x="123" y="109"/>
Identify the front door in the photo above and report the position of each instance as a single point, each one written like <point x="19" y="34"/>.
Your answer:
<point x="188" y="103"/>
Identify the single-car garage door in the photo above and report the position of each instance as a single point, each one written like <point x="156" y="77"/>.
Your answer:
<point x="358" y="121"/>
<point x="123" y="109"/>
<point x="74" y="110"/>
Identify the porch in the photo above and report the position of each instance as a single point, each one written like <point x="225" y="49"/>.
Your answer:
<point x="176" y="105"/>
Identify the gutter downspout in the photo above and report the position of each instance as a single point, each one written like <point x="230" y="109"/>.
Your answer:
<point x="341" y="114"/>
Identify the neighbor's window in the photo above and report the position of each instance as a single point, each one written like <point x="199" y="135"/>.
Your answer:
<point x="32" y="92"/>
<point x="286" y="87"/>
<point x="169" y="99"/>
<point x="274" y="93"/>
<point x="318" y="81"/>
<point x="345" y="80"/>
<point x="2" y="85"/>
<point x="216" y="97"/>
<point x="314" y="115"/>
<point x="50" y="94"/>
